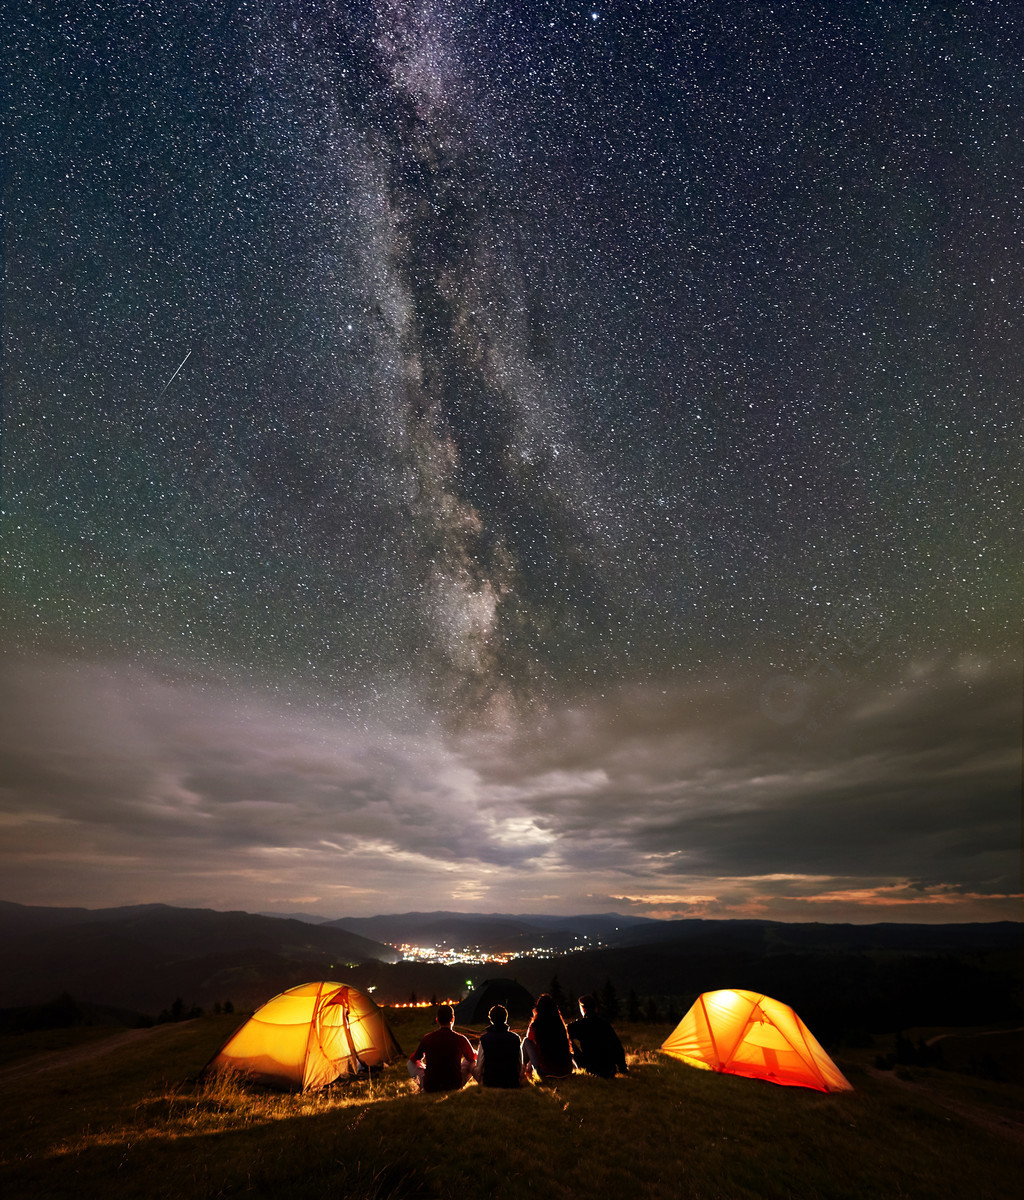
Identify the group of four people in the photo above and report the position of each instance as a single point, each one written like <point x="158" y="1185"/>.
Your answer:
<point x="444" y="1059"/>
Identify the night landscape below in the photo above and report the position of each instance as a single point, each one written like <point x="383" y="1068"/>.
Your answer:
<point x="923" y="1022"/>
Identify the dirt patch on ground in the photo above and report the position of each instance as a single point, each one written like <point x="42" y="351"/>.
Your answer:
<point x="55" y="1060"/>
<point x="1003" y="1124"/>
<point x="996" y="1053"/>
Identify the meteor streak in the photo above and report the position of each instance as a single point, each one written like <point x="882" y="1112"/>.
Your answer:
<point x="175" y="375"/>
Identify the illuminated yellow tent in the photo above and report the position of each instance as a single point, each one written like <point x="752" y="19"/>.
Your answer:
<point x="306" y="1037"/>
<point x="746" y="1033"/>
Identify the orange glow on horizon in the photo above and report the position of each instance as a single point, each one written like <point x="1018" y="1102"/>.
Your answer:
<point x="780" y="906"/>
<point x="421" y="1003"/>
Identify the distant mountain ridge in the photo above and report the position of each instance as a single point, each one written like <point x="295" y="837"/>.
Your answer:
<point x="143" y="956"/>
<point x="508" y="931"/>
<point x="308" y="918"/>
<point x="778" y="936"/>
<point x="494" y="932"/>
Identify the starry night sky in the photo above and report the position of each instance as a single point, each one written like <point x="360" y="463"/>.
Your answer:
<point x="523" y="457"/>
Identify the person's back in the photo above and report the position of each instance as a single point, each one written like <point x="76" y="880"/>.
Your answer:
<point x="448" y="1056"/>
<point x="597" y="1047"/>
<point x="500" y="1054"/>
<point x="546" y="1046"/>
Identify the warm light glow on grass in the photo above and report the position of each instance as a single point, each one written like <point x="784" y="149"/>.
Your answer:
<point x="226" y="1101"/>
<point x="118" y="1129"/>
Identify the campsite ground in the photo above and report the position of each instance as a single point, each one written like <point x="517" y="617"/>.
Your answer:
<point x="129" y="1119"/>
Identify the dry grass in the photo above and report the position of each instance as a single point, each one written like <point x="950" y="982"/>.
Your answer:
<point x="140" y="1124"/>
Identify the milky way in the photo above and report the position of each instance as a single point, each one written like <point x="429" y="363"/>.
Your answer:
<point x="562" y="451"/>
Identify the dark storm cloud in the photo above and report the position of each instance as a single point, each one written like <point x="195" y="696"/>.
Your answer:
<point x="664" y="798"/>
<point x="912" y="782"/>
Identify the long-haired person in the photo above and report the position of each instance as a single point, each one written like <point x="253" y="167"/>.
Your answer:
<point x="546" y="1046"/>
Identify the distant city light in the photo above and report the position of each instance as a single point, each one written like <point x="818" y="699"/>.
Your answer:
<point x="474" y="956"/>
<point x="422" y="1003"/>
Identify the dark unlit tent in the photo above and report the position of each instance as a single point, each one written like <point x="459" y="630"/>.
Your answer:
<point x="474" y="1009"/>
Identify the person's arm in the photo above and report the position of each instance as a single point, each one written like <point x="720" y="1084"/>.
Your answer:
<point x="478" y="1070"/>
<point x="465" y="1049"/>
<point x="417" y="1054"/>
<point x="576" y="1043"/>
<point x="620" y="1054"/>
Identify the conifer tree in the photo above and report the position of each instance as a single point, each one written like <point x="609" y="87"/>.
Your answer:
<point x="610" y="1001"/>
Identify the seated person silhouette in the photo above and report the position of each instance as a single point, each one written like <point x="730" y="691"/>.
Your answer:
<point x="499" y="1057"/>
<point x="597" y="1046"/>
<point x="546" y="1046"/>
<point x="443" y="1059"/>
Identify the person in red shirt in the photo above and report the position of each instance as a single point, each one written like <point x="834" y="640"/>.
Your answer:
<point x="449" y="1057"/>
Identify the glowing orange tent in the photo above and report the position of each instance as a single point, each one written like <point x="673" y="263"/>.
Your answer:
<point x="306" y="1037"/>
<point x="746" y="1033"/>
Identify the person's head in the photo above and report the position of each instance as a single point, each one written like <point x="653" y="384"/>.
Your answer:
<point x="588" y="1004"/>
<point x="445" y="1015"/>
<point x="546" y="1009"/>
<point x="498" y="1015"/>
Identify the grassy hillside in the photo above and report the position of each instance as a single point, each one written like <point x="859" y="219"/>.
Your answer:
<point x="135" y="1123"/>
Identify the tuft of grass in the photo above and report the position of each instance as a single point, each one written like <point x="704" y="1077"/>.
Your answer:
<point x="140" y="1124"/>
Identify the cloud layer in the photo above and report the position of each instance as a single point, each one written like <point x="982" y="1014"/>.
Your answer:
<point x="683" y="801"/>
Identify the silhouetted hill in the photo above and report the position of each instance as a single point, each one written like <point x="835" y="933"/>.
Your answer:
<point x="769" y="937"/>
<point x="309" y="918"/>
<point x="143" y="956"/>
<point x="840" y="978"/>
<point x="27" y="918"/>
<point x="971" y="977"/>
<point x="494" y="932"/>
<point x="64" y="1012"/>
